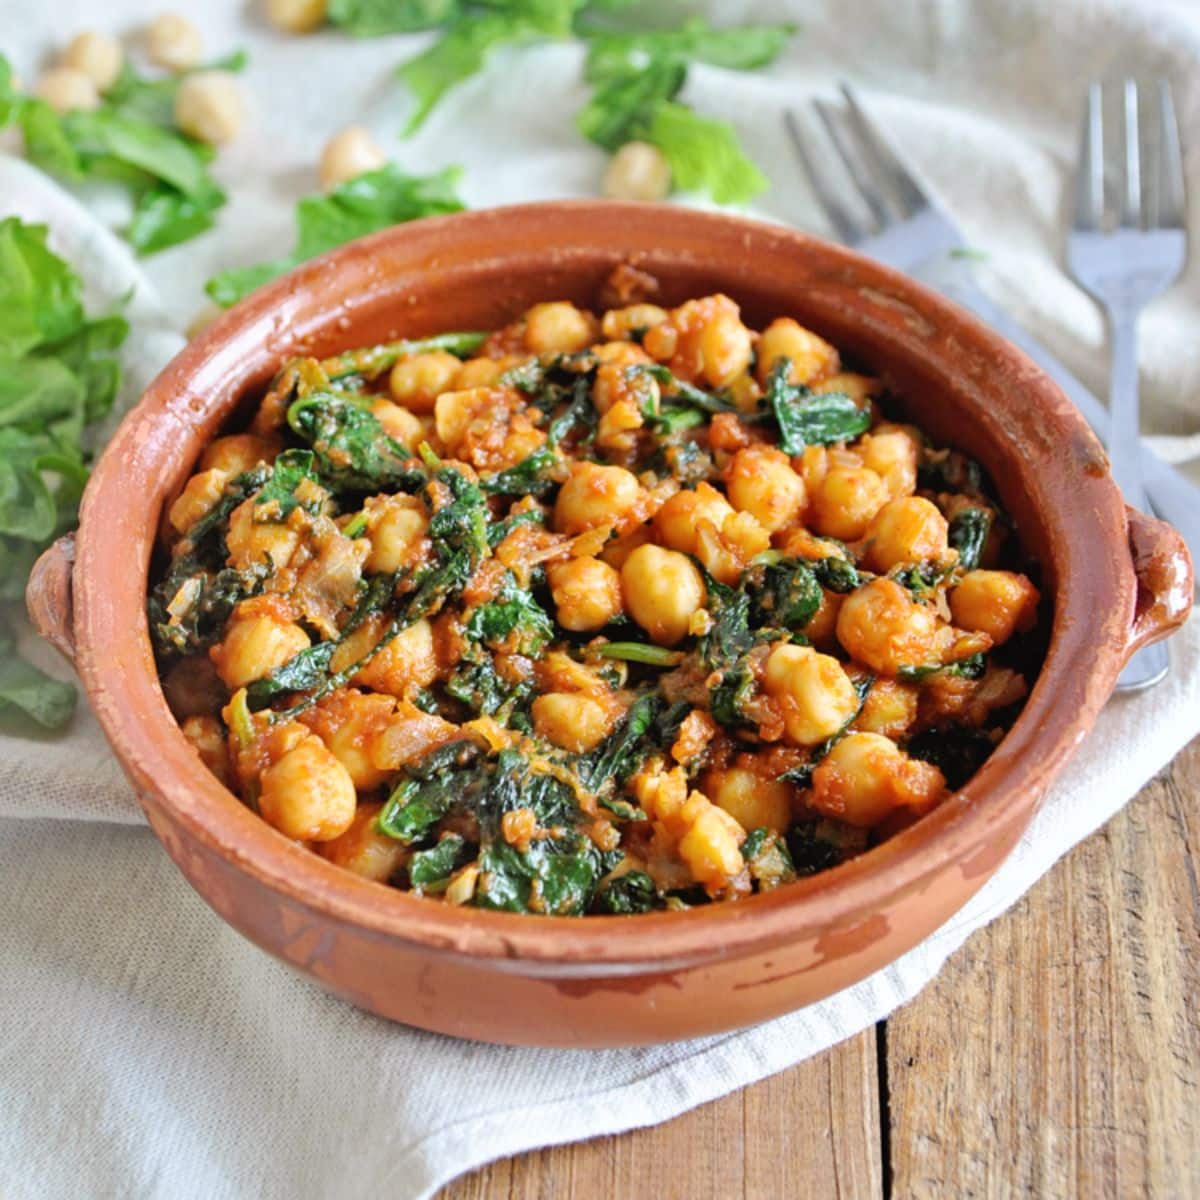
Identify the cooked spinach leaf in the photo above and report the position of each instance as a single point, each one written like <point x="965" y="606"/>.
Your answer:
<point x="969" y="529"/>
<point x="808" y="418"/>
<point x="429" y="870"/>
<point x="956" y="751"/>
<point x="622" y="752"/>
<point x="633" y="892"/>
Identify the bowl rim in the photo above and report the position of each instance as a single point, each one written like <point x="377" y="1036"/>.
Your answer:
<point x="1090" y="616"/>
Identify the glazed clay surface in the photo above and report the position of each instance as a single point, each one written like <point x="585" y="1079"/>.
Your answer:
<point x="605" y="981"/>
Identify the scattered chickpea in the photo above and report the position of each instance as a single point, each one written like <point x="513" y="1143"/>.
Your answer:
<point x="586" y="593"/>
<point x="417" y="381"/>
<point x="866" y="776"/>
<point x="172" y="41"/>
<point x="349" y="153"/>
<point x="760" y="480"/>
<point x="752" y="801"/>
<point x="907" y="530"/>
<point x="663" y="590"/>
<point x="297" y="16"/>
<point x="308" y="794"/>
<point x="881" y="627"/>
<point x="209" y="106"/>
<point x="811" y="356"/>
<point x="998" y="603"/>
<point x="845" y="502"/>
<point x="638" y="171"/>
<point x="97" y="55"/>
<point x="595" y="495"/>
<point x="815" y="692"/>
<point x="558" y="328"/>
<point x="571" y="720"/>
<point x="67" y="90"/>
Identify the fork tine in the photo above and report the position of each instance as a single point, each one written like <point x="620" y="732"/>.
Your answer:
<point x="847" y="228"/>
<point x="1171" y="195"/>
<point x="862" y="180"/>
<point x="1089" y="185"/>
<point x="1131" y="193"/>
<point x="887" y="166"/>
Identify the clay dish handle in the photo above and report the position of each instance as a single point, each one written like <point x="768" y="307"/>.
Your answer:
<point x="48" y="596"/>
<point x="1165" y="581"/>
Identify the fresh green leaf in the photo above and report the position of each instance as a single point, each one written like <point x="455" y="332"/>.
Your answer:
<point x="460" y="53"/>
<point x="622" y="106"/>
<point x="164" y="217"/>
<point x="704" y="155"/>
<point x="374" y="18"/>
<point x="39" y="293"/>
<point x="739" y="48"/>
<point x="364" y="204"/>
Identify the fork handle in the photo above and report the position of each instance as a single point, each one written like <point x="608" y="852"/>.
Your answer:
<point x="1174" y="499"/>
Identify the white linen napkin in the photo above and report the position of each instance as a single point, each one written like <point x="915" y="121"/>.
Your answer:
<point x="148" y="1050"/>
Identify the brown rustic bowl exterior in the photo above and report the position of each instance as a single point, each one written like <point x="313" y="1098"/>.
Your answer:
<point x="1112" y="580"/>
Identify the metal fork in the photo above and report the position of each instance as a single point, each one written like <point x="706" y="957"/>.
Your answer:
<point x="884" y="212"/>
<point x="1124" y="263"/>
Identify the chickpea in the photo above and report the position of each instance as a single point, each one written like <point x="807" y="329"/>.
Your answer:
<point x="890" y="708"/>
<point x="638" y="171"/>
<point x="586" y="593"/>
<point x="255" y="643"/>
<point x="351" y="152"/>
<point x="98" y="55"/>
<point x="363" y="849"/>
<point x="725" y="348"/>
<point x="350" y="722"/>
<point x="593" y="496"/>
<point x="207" y="736"/>
<point x="727" y="553"/>
<point x="760" y="480"/>
<point x="558" y="328"/>
<point x="821" y="629"/>
<point x="623" y="323"/>
<point x="891" y="452"/>
<point x="67" y="90"/>
<point x="418" y="380"/>
<point x="815" y="693"/>
<point x="405" y="665"/>
<point x="172" y="41"/>
<point x="571" y="720"/>
<point x="752" y="801"/>
<point x="308" y="795"/>
<point x="396" y="527"/>
<point x="200" y="493"/>
<point x="209" y="106"/>
<point x="845" y="502"/>
<point x="296" y="16"/>
<point x="907" y="530"/>
<point x="663" y="591"/>
<point x="811" y="356"/>
<point x="239" y="452"/>
<point x="677" y="522"/>
<point x="884" y="629"/>
<point x="711" y="846"/>
<point x="250" y="540"/>
<point x="398" y="423"/>
<point x="480" y="372"/>
<point x="998" y="603"/>
<point x="865" y="777"/>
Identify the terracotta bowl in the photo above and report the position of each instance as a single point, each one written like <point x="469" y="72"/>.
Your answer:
<point x="1114" y="580"/>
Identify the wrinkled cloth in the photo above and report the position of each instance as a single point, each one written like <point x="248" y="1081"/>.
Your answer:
<point x="148" y="1050"/>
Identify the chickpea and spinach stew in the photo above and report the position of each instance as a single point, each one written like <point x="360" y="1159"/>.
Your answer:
<point x="590" y="614"/>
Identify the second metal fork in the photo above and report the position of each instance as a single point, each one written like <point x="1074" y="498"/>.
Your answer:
<point x="1124" y="265"/>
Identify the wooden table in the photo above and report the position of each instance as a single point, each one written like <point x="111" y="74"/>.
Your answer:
<point x="1057" y="1054"/>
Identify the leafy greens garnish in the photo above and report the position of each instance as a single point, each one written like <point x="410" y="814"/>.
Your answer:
<point x="362" y="205"/>
<point x="131" y="139"/>
<point x="58" y="375"/>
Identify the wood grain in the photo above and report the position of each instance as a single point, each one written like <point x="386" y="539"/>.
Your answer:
<point x="1057" y="1054"/>
<point x="812" y="1131"/>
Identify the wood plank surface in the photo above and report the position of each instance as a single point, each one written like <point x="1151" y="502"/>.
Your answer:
<point x="1057" y="1054"/>
<point x="812" y="1131"/>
